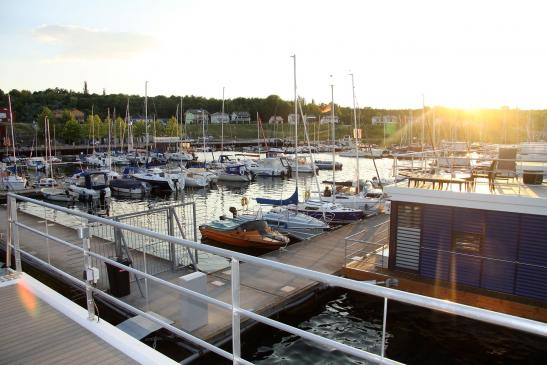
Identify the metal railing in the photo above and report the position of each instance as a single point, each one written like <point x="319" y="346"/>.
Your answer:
<point x="237" y="313"/>
<point x="367" y="248"/>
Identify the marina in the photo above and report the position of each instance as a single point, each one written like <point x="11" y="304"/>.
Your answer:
<point x="353" y="183"/>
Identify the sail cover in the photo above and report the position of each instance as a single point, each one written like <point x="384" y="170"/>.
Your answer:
<point x="293" y="199"/>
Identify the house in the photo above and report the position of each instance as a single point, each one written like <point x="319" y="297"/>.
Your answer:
<point x="4" y="115"/>
<point x="217" y="118"/>
<point x="291" y="118"/>
<point x="275" y="119"/>
<point x="385" y="119"/>
<point x="240" y="117"/>
<point x="196" y="116"/>
<point x="328" y="119"/>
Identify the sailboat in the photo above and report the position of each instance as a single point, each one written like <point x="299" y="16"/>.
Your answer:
<point x="9" y="180"/>
<point x="364" y="198"/>
<point x="328" y="212"/>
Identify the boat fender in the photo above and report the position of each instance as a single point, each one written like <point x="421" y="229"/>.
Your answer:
<point x="241" y="172"/>
<point x="307" y="194"/>
<point x="244" y="201"/>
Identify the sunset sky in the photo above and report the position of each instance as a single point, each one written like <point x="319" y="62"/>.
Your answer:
<point x="456" y="53"/>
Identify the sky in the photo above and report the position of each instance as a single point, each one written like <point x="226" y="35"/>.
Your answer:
<point x="446" y="53"/>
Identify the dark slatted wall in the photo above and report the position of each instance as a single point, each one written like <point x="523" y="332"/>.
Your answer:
<point x="465" y="268"/>
<point x="532" y="280"/>
<point x="436" y="235"/>
<point x="513" y="247"/>
<point x="501" y="242"/>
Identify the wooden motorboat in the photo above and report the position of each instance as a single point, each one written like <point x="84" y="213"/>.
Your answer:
<point x="250" y="234"/>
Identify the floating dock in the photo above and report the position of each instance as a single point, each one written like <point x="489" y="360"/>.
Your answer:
<point x="262" y="290"/>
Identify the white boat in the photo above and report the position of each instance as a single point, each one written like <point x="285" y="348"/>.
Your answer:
<point x="304" y="165"/>
<point x="97" y="160"/>
<point x="271" y="166"/>
<point x="157" y="178"/>
<point x="369" y="203"/>
<point x="12" y="182"/>
<point x="235" y="173"/>
<point x="37" y="163"/>
<point x="372" y="152"/>
<point x="179" y="156"/>
<point x="296" y="225"/>
<point x="46" y="182"/>
<point x="328" y="212"/>
<point x="58" y="194"/>
<point x="94" y="186"/>
<point x="193" y="178"/>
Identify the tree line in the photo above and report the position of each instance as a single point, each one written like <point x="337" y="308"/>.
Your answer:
<point x="501" y="125"/>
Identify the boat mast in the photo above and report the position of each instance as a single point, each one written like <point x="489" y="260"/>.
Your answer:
<point x="92" y="130"/>
<point x="222" y="125"/>
<point x="146" y="116"/>
<point x="333" y="140"/>
<point x="257" y="135"/>
<point x="12" y="136"/>
<point x="356" y="134"/>
<point x="45" y="142"/>
<point x="423" y="122"/>
<point x="295" y="121"/>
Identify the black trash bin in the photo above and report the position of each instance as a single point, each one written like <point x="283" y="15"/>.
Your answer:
<point x="532" y="177"/>
<point x="118" y="278"/>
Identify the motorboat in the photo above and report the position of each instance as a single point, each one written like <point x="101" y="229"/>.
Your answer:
<point x="304" y="165"/>
<point x="329" y="212"/>
<point x="130" y="186"/>
<point x="271" y="166"/>
<point x="12" y="182"/>
<point x="37" y="163"/>
<point x="369" y="152"/>
<point x="179" y="156"/>
<point x="94" y="186"/>
<point x="46" y="182"/>
<point x="249" y="234"/>
<point x="157" y="178"/>
<point x="291" y="223"/>
<point x="194" y="179"/>
<point x="58" y="194"/>
<point x="327" y="165"/>
<point x="235" y="173"/>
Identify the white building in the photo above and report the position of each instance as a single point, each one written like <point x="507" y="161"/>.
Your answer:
<point x="385" y="119"/>
<point x="275" y="119"/>
<point x="328" y="119"/>
<point x="240" y="117"/>
<point x="196" y="116"/>
<point x="217" y="118"/>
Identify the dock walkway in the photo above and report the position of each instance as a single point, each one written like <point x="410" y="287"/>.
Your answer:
<point x="262" y="290"/>
<point x="39" y="326"/>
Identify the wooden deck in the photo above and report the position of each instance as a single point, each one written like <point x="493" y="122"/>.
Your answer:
<point x="262" y="290"/>
<point x="33" y="332"/>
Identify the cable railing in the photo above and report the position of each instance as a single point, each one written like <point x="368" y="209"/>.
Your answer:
<point x="368" y="247"/>
<point x="235" y="309"/>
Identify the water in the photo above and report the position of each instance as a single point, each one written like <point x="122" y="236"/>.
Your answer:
<point x="211" y="203"/>
<point x="414" y="336"/>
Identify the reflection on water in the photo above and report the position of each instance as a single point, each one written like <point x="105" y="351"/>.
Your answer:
<point x="414" y="336"/>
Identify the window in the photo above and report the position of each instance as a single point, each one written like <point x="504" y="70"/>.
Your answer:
<point x="466" y="242"/>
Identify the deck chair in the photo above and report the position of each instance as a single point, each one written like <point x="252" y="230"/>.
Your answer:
<point x="506" y="167"/>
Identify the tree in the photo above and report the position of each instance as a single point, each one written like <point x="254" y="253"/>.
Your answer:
<point x="44" y="113"/>
<point x="139" y="129"/>
<point x="71" y="131"/>
<point x="172" y="127"/>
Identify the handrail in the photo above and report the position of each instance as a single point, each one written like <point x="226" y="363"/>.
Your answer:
<point x="483" y="315"/>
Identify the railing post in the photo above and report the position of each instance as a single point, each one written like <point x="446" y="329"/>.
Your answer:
<point x="118" y="241"/>
<point x="236" y="342"/>
<point x="171" y="232"/>
<point x="195" y="230"/>
<point x="383" y="349"/>
<point x="85" y="236"/>
<point x="14" y="235"/>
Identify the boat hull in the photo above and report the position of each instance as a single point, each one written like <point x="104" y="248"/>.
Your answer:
<point x="248" y="239"/>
